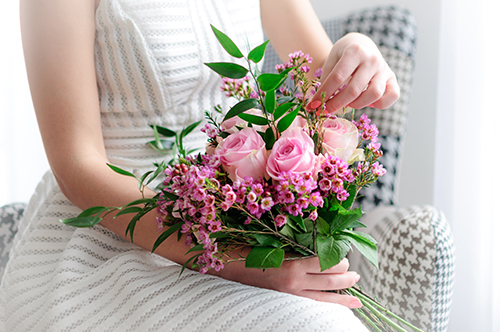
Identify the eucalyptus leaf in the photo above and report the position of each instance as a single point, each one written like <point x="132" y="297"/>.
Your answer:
<point x="140" y="201"/>
<point x="227" y="43"/>
<point x="287" y="120"/>
<point x="82" y="222"/>
<point x="265" y="257"/>
<point x="258" y="52"/>
<point x="268" y="82"/>
<point x="269" y="138"/>
<point x="330" y="251"/>
<point x="228" y="69"/>
<point x="270" y="101"/>
<point x="197" y="247"/>
<point x="93" y="210"/>
<point x="163" y="236"/>
<point x="132" y="209"/>
<point x="120" y="171"/>
<point x="164" y="131"/>
<point x="282" y="109"/>
<point x="186" y="131"/>
<point x="241" y="107"/>
<point x="256" y="120"/>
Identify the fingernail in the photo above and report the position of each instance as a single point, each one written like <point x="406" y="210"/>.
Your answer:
<point x="371" y="105"/>
<point x="314" y="104"/>
<point x="356" y="278"/>
<point x="355" y="304"/>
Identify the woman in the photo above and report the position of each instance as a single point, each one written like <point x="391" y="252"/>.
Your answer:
<point x="99" y="74"/>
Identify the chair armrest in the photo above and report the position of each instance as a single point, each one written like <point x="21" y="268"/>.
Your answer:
<point x="416" y="264"/>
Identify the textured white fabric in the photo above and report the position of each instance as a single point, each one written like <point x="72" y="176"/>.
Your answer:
<point x="149" y="61"/>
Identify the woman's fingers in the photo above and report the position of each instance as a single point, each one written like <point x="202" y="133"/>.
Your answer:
<point x="345" y="300"/>
<point x="375" y="90"/>
<point x="330" y="281"/>
<point x="353" y="90"/>
<point x="391" y="94"/>
<point x="335" y="79"/>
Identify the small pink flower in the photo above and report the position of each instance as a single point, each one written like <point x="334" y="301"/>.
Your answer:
<point x="313" y="215"/>
<point x="280" y="220"/>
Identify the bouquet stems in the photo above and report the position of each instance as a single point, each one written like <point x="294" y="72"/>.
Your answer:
<point x="380" y="320"/>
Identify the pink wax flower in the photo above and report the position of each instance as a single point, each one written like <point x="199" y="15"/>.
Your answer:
<point x="293" y="152"/>
<point x="243" y="154"/>
<point x="340" y="138"/>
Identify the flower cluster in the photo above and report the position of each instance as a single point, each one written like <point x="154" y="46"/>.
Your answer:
<point x="195" y="187"/>
<point x="238" y="88"/>
<point x="334" y="173"/>
<point x="297" y="193"/>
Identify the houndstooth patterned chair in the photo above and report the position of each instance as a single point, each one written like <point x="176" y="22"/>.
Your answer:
<point x="416" y="252"/>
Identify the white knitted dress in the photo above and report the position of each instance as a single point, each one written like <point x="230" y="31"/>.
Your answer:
<point x="149" y="63"/>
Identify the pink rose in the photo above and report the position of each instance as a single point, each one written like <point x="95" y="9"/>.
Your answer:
<point x="243" y="154"/>
<point x="341" y="138"/>
<point x="293" y="152"/>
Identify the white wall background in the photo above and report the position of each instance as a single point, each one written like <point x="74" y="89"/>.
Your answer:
<point x="17" y="117"/>
<point x="417" y="173"/>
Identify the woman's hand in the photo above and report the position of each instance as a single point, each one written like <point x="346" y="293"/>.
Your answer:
<point x="356" y="62"/>
<point x="300" y="277"/>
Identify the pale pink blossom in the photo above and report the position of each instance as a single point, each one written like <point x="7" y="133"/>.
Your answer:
<point x="340" y="138"/>
<point x="293" y="152"/>
<point x="243" y="154"/>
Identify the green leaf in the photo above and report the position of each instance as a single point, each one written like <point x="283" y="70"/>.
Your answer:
<point x="81" y="222"/>
<point x="268" y="82"/>
<point x="140" y="201"/>
<point x="187" y="263"/>
<point x="160" y="168"/>
<point x="241" y="107"/>
<point x="197" y="247"/>
<point x="186" y="131"/>
<point x="162" y="144"/>
<point x="270" y="101"/>
<point x="163" y="236"/>
<point x="305" y="239"/>
<point x="93" y="210"/>
<point x="170" y="196"/>
<point x="322" y="226"/>
<point x="219" y="235"/>
<point x="120" y="171"/>
<point x="299" y="221"/>
<point x="257" y="120"/>
<point x="287" y="120"/>
<point x="352" y="195"/>
<point x="133" y="209"/>
<point x="269" y="138"/>
<point x="267" y="240"/>
<point x="286" y="99"/>
<point x="164" y="131"/>
<point x="366" y="245"/>
<point x="330" y="251"/>
<point x="228" y="69"/>
<point x="346" y="219"/>
<point x="143" y="178"/>
<point x="265" y="257"/>
<point x="227" y="43"/>
<point x="257" y="53"/>
<point x="282" y="109"/>
<point x="288" y="232"/>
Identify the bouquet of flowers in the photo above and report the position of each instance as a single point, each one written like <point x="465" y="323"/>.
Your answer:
<point x="276" y="177"/>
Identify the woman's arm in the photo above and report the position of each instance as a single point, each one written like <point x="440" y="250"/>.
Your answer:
<point x="58" y="41"/>
<point x="293" y="25"/>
